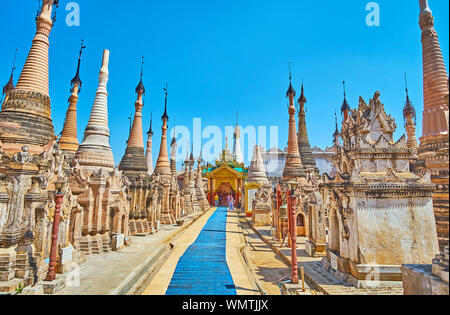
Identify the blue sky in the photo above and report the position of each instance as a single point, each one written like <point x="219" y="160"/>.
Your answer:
<point x="221" y="57"/>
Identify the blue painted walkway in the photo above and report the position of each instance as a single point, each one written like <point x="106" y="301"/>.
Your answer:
<point x="203" y="269"/>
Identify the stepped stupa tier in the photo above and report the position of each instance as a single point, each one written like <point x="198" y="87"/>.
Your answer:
<point x="68" y="141"/>
<point x="95" y="150"/>
<point x="163" y="165"/>
<point x="293" y="168"/>
<point x="25" y="119"/>
<point x="308" y="161"/>
<point x="134" y="159"/>
<point x="257" y="172"/>
<point x="433" y="150"/>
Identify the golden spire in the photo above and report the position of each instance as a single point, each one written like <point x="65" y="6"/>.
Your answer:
<point x="163" y="165"/>
<point x="69" y="136"/>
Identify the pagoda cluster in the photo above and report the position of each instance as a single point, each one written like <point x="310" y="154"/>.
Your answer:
<point x="103" y="204"/>
<point x="383" y="209"/>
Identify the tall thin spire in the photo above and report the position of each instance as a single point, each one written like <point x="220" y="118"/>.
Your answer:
<point x="134" y="162"/>
<point x="345" y="106"/>
<point x="408" y="110"/>
<point x="136" y="135"/>
<point x="173" y="152"/>
<point x="149" y="154"/>
<point x="69" y="135"/>
<point x="95" y="149"/>
<point x="34" y="76"/>
<point x="435" y="115"/>
<point x="163" y="165"/>
<point x="336" y="132"/>
<point x="76" y="79"/>
<point x="10" y="85"/>
<point x="304" y="146"/>
<point x="293" y="167"/>
<point x="433" y="153"/>
<point x="409" y="114"/>
<point x="237" y="151"/>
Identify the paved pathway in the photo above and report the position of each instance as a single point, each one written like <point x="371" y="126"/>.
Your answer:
<point x="205" y="260"/>
<point x="122" y="267"/>
<point x="316" y="275"/>
<point x="203" y="268"/>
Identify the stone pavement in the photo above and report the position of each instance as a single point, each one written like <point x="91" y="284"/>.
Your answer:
<point x="115" y="273"/>
<point x="315" y="275"/>
<point x="234" y="241"/>
<point x="269" y="269"/>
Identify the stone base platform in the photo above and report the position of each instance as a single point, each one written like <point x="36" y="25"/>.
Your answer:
<point x="419" y="280"/>
<point x="315" y="250"/>
<point x="362" y="276"/>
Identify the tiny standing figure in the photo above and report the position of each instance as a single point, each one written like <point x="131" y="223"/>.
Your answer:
<point x="231" y="202"/>
<point x="216" y="200"/>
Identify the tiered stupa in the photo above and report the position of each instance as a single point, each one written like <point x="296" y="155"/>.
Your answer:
<point x="257" y="172"/>
<point x="25" y="119"/>
<point x="162" y="164"/>
<point x="135" y="168"/>
<point x="293" y="168"/>
<point x="308" y="161"/>
<point x="95" y="149"/>
<point x="101" y="189"/>
<point x="381" y="214"/>
<point x="163" y="171"/>
<point x="134" y="158"/>
<point x="68" y="142"/>
<point x="434" y="143"/>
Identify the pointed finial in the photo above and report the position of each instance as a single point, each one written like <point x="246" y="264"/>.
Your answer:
<point x="302" y="98"/>
<point x="290" y="73"/>
<point x="290" y="91"/>
<point x="406" y="87"/>
<point x="408" y="110"/>
<point x="192" y="152"/>
<point x="140" y="89"/>
<point x="150" y="131"/>
<point x="165" y="116"/>
<point x="76" y="80"/>
<point x="336" y="132"/>
<point x="10" y="85"/>
<point x="174" y="131"/>
<point x="345" y="106"/>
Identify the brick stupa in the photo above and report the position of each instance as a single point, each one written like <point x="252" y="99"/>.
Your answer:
<point x="95" y="150"/>
<point x="25" y="119"/>
<point x="134" y="158"/>
<point x="434" y="143"/>
<point x="162" y="167"/>
<point x="308" y="161"/>
<point x="68" y="141"/>
<point x="293" y="168"/>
